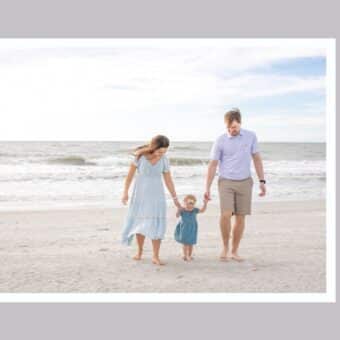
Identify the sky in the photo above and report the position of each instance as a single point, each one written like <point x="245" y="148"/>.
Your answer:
<point x="133" y="89"/>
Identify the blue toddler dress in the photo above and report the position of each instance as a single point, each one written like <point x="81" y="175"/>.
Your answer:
<point x="186" y="228"/>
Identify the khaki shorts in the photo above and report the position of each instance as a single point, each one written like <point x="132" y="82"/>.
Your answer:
<point x="235" y="195"/>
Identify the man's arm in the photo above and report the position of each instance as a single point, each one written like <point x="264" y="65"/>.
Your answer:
<point x="210" y="177"/>
<point x="259" y="171"/>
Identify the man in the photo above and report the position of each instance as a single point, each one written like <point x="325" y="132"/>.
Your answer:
<point x="233" y="152"/>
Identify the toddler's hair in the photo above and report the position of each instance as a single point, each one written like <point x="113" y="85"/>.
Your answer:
<point x="190" y="197"/>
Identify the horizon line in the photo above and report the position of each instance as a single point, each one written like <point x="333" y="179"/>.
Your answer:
<point x="145" y="141"/>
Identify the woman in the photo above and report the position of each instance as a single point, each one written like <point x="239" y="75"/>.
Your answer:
<point x="147" y="210"/>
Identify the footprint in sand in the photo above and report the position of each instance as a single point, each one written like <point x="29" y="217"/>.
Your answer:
<point x="103" y="229"/>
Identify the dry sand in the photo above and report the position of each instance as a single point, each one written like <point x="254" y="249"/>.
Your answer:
<point x="78" y="251"/>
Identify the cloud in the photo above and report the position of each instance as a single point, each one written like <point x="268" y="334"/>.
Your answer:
<point x="87" y="85"/>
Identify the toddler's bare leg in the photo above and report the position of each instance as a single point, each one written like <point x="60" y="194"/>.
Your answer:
<point x="183" y="248"/>
<point x="190" y="251"/>
<point x="186" y="252"/>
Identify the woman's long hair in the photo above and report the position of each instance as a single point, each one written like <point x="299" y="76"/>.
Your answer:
<point x="156" y="143"/>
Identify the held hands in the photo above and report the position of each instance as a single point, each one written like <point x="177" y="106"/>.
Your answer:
<point x="178" y="212"/>
<point x="177" y="204"/>
<point x="207" y="196"/>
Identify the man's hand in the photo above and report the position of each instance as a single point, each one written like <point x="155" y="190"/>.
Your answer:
<point x="263" y="189"/>
<point x="207" y="196"/>
<point x="210" y="177"/>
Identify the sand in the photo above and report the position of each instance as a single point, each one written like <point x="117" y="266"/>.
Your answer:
<point x="78" y="250"/>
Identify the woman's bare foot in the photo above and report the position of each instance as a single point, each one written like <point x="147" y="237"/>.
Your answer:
<point x="157" y="261"/>
<point x="237" y="257"/>
<point x="137" y="257"/>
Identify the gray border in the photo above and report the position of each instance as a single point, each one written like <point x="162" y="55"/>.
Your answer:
<point x="246" y="19"/>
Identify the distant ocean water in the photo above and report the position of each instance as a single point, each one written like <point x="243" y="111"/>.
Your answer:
<point x="65" y="174"/>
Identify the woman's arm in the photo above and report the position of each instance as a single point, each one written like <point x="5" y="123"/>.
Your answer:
<point x="127" y="183"/>
<point x="171" y="187"/>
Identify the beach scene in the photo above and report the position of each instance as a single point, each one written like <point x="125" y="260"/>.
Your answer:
<point x="61" y="221"/>
<point x="75" y="110"/>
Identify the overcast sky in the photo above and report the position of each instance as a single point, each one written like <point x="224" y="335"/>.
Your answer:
<point x="128" y="89"/>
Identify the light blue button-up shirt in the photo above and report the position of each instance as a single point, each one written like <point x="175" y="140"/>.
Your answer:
<point x="234" y="154"/>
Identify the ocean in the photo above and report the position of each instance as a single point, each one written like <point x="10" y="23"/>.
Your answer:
<point x="39" y="175"/>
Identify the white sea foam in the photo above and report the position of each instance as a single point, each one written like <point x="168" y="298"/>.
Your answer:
<point x="93" y="173"/>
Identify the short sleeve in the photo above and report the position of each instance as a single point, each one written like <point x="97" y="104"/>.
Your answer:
<point x="166" y="164"/>
<point x="135" y="161"/>
<point x="197" y="210"/>
<point x="216" y="152"/>
<point x="254" y="145"/>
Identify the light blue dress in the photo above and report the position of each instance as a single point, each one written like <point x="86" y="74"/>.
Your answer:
<point x="186" y="228"/>
<point x="147" y="210"/>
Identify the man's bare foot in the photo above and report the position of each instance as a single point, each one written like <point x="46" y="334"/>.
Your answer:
<point x="157" y="261"/>
<point x="137" y="257"/>
<point x="223" y="256"/>
<point x="237" y="257"/>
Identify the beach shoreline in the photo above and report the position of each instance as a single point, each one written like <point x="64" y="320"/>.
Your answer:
<point x="78" y="250"/>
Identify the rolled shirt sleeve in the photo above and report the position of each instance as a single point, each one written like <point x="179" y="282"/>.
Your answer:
<point x="216" y="151"/>
<point x="254" y="145"/>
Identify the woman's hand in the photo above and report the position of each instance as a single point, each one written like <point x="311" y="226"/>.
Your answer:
<point x="125" y="198"/>
<point x="127" y="183"/>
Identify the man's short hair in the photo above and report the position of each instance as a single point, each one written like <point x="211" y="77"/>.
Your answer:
<point x="233" y="114"/>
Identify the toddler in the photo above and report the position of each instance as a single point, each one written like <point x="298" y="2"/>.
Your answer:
<point x="186" y="228"/>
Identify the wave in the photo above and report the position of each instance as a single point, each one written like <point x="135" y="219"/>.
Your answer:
<point x="301" y="168"/>
<point x="70" y="160"/>
<point x="186" y="147"/>
<point x="180" y="161"/>
<point x="120" y="161"/>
